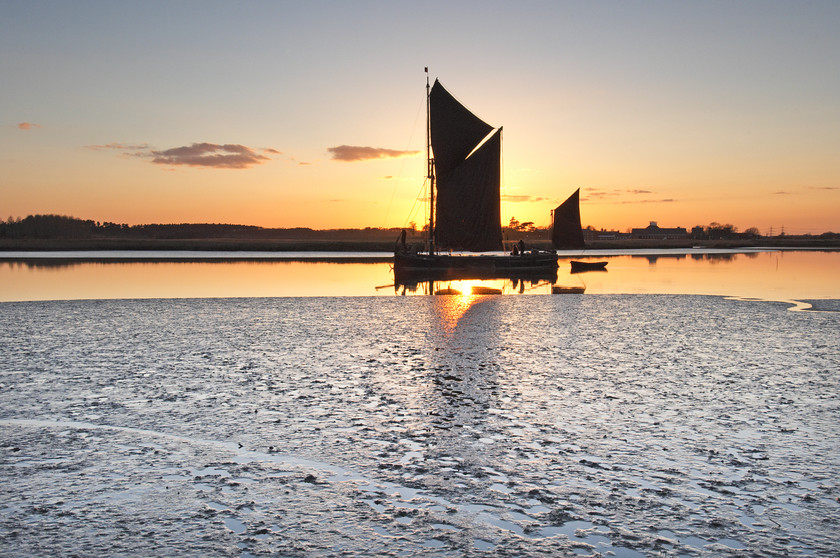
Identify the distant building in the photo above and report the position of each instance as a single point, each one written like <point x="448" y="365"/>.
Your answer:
<point x="590" y="234"/>
<point x="655" y="232"/>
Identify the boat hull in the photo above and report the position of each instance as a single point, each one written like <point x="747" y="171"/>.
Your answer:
<point x="578" y="267"/>
<point x="541" y="265"/>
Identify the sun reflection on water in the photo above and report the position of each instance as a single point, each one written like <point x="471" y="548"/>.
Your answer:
<point x="450" y="309"/>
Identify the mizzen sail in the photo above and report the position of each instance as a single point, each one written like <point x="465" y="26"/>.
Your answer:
<point x="567" y="233"/>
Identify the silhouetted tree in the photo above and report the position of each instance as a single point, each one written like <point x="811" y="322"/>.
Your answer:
<point x="716" y="231"/>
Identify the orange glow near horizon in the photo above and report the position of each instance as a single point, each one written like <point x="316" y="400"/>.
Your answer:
<point x="813" y="213"/>
<point x="641" y="111"/>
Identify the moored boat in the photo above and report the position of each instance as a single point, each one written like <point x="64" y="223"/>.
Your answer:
<point x="579" y="266"/>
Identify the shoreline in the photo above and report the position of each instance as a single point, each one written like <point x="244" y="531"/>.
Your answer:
<point x="297" y="245"/>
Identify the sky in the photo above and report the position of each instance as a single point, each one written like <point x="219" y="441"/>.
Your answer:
<point x="312" y="114"/>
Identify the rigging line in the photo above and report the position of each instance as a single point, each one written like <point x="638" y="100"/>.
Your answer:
<point x="417" y="198"/>
<point x="398" y="179"/>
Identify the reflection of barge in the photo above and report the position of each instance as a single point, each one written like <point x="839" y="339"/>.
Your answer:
<point x="443" y="266"/>
<point x="579" y="267"/>
<point x="558" y="289"/>
<point x="483" y="270"/>
<point x="473" y="286"/>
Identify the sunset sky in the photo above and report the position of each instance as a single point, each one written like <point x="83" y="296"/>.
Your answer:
<point x="312" y="114"/>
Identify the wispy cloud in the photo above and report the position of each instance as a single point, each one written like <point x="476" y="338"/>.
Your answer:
<point x="522" y="199"/>
<point x="622" y="194"/>
<point x="663" y="200"/>
<point x="360" y="153"/>
<point x="796" y="193"/>
<point x="214" y="155"/>
<point x="27" y="126"/>
<point x="119" y="147"/>
<point x="601" y="194"/>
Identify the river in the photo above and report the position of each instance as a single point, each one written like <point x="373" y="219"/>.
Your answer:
<point x="768" y="275"/>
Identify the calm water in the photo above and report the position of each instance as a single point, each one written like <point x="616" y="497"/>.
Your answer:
<point x="584" y="425"/>
<point x="775" y="275"/>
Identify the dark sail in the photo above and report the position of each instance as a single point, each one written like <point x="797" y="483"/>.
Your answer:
<point x="567" y="233"/>
<point x="468" y="209"/>
<point x="468" y="204"/>
<point x="455" y="130"/>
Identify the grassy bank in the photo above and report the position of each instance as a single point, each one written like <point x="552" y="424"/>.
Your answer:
<point x="303" y="245"/>
<point x="213" y="244"/>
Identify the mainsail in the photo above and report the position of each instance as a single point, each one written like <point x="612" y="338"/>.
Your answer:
<point x="567" y="233"/>
<point x="468" y="176"/>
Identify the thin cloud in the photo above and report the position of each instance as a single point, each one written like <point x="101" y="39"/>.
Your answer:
<point x="27" y="126"/>
<point x="119" y="147"/>
<point x="609" y="195"/>
<point x="223" y="156"/>
<point x="595" y="193"/>
<point x="664" y="200"/>
<point x="823" y="188"/>
<point x="352" y="153"/>
<point x="598" y="195"/>
<point x="295" y="161"/>
<point x="522" y="199"/>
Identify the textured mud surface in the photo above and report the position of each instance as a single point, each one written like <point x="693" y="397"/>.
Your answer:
<point x="521" y="426"/>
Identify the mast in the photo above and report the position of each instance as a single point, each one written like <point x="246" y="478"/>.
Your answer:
<point x="430" y="167"/>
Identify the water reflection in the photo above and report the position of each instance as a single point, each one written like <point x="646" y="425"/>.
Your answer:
<point x="774" y="275"/>
<point x="712" y="258"/>
<point x="475" y="287"/>
<point x="463" y="380"/>
<point x="475" y="281"/>
<point x="450" y="310"/>
<point x="110" y="279"/>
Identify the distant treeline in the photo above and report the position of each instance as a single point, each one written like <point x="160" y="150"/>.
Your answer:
<point x="60" y="227"/>
<point x="63" y="227"/>
<point x="716" y="231"/>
